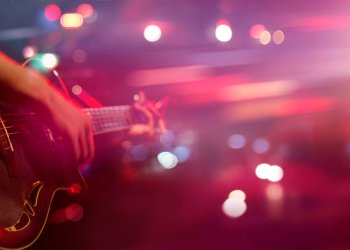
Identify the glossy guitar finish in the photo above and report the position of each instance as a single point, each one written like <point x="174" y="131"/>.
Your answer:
<point x="33" y="166"/>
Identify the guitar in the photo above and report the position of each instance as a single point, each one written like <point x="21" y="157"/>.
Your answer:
<point x="34" y="166"/>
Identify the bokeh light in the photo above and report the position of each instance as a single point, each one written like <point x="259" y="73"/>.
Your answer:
<point x="234" y="207"/>
<point x="272" y="173"/>
<point x="275" y="173"/>
<point x="236" y="141"/>
<point x="52" y="12"/>
<point x="262" y="170"/>
<point x="79" y="56"/>
<point x="71" y="20"/>
<point x="152" y="33"/>
<point x="139" y="152"/>
<point x="278" y="37"/>
<point x="167" y="159"/>
<point x="261" y="146"/>
<point x="49" y="60"/>
<point x="265" y="37"/>
<point x="29" y="51"/>
<point x="77" y="89"/>
<point x="274" y="191"/>
<point x="182" y="153"/>
<point x="74" y="212"/>
<point x="238" y="194"/>
<point x="167" y="138"/>
<point x="85" y="10"/>
<point x="223" y="33"/>
<point x="256" y="30"/>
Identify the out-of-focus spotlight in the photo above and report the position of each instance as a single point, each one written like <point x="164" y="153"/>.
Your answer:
<point x="278" y="37"/>
<point x="28" y="52"/>
<point x="272" y="173"/>
<point x="77" y="89"/>
<point x="238" y="194"/>
<point x="275" y="173"/>
<point x="152" y="33"/>
<point x="265" y="37"/>
<point x="139" y="152"/>
<point x="274" y="191"/>
<point x="74" y="212"/>
<point x="182" y="153"/>
<point x="52" y="12"/>
<point x="79" y="56"/>
<point x="71" y="20"/>
<point x="223" y="32"/>
<point x="167" y="160"/>
<point x="167" y="138"/>
<point x="236" y="141"/>
<point x="85" y="10"/>
<point x="256" y="30"/>
<point x="49" y="60"/>
<point x="188" y="137"/>
<point x="262" y="170"/>
<point x="234" y="207"/>
<point x="261" y="146"/>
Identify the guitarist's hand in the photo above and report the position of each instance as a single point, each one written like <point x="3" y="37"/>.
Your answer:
<point x="154" y="124"/>
<point x="74" y="126"/>
<point x="23" y="87"/>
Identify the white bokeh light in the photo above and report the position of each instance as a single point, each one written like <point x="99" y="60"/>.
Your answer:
<point x="223" y="33"/>
<point x="167" y="160"/>
<point x="152" y="33"/>
<point x="49" y="60"/>
<point x="234" y="207"/>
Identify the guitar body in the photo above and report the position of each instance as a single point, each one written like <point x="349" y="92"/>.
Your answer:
<point x="33" y="167"/>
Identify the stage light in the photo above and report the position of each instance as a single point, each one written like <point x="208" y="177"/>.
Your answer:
<point x="182" y="153"/>
<point x="77" y="89"/>
<point x="275" y="173"/>
<point x="234" y="207"/>
<point x="28" y="52"/>
<point x="71" y="20"/>
<point x="278" y="37"/>
<point x="52" y="12"/>
<point x="274" y="191"/>
<point x="85" y="10"/>
<point x="272" y="173"/>
<point x="49" y="60"/>
<point x="265" y="37"/>
<point x="139" y="152"/>
<point x="74" y="212"/>
<point x="256" y="30"/>
<point x="167" y="160"/>
<point x="236" y="141"/>
<point x="223" y="33"/>
<point x="152" y="33"/>
<point x="262" y="170"/>
<point x="261" y="146"/>
<point x="238" y="194"/>
<point x="167" y="138"/>
<point x="79" y="56"/>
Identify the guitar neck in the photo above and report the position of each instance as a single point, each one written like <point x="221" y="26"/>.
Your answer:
<point x="110" y="119"/>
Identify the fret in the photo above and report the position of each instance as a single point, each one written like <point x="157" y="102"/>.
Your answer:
<point x="109" y="119"/>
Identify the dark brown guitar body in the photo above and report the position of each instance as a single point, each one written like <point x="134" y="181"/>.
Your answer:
<point x="33" y="166"/>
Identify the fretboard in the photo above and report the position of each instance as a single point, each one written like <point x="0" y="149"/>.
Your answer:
<point x="110" y="119"/>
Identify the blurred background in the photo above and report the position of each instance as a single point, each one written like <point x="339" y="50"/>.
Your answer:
<point x="257" y="149"/>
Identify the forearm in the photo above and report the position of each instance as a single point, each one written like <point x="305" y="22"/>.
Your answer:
<point x="21" y="86"/>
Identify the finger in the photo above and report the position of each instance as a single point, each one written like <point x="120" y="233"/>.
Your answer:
<point x="90" y="143"/>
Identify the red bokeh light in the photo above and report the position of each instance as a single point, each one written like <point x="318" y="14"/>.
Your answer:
<point x="52" y="12"/>
<point x="86" y="10"/>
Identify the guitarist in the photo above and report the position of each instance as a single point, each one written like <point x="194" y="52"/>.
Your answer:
<point x="22" y="87"/>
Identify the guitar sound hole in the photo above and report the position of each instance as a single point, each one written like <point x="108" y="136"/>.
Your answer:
<point x="34" y="194"/>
